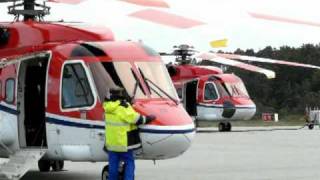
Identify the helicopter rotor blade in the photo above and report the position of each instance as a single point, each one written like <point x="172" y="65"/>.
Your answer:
<point x="151" y="3"/>
<point x="282" y="19"/>
<point x="151" y="15"/>
<point x="164" y="18"/>
<point x="5" y="1"/>
<point x="266" y="60"/>
<point x="166" y="54"/>
<point x="222" y="60"/>
<point x="67" y="1"/>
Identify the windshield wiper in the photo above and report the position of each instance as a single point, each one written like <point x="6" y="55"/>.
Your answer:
<point x="134" y="90"/>
<point x="136" y="86"/>
<point x="159" y="88"/>
<point x="164" y="92"/>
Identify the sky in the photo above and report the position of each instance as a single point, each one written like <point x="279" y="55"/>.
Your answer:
<point x="224" y="19"/>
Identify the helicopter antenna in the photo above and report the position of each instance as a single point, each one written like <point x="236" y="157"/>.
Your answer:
<point x="29" y="9"/>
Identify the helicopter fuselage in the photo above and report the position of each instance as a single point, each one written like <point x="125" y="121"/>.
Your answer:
<point x="209" y="94"/>
<point x="54" y="78"/>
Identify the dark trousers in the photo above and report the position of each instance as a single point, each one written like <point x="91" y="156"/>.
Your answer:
<point x="114" y="161"/>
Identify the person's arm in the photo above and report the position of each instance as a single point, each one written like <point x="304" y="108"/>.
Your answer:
<point x="129" y="115"/>
<point x="145" y="119"/>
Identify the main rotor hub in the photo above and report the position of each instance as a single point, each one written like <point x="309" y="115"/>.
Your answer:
<point x="184" y="53"/>
<point x="29" y="9"/>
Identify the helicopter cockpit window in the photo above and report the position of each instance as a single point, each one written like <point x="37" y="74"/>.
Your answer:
<point x="9" y="94"/>
<point x="157" y="79"/>
<point x="210" y="92"/>
<point x="76" y="91"/>
<point x="103" y="79"/>
<point x="179" y="92"/>
<point x="124" y="73"/>
<point x="89" y="50"/>
<point x="0" y="90"/>
<point x="116" y="74"/>
<point x="237" y="89"/>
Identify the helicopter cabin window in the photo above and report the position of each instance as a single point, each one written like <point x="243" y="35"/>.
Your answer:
<point x="210" y="92"/>
<point x="76" y="91"/>
<point x="9" y="94"/>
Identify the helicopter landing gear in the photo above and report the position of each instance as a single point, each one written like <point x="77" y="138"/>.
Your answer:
<point x="57" y="165"/>
<point x="105" y="172"/>
<point x="311" y="126"/>
<point x="45" y="165"/>
<point x="224" y="127"/>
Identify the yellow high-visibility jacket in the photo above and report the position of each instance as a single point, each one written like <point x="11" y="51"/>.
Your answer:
<point x="121" y="132"/>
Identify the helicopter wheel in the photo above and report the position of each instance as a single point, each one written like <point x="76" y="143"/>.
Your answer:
<point x="224" y="127"/>
<point x="221" y="127"/>
<point x="105" y="172"/>
<point x="311" y="126"/>
<point x="57" y="165"/>
<point x="44" y="165"/>
<point x="228" y="126"/>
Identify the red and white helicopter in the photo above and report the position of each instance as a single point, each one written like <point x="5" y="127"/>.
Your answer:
<point x="53" y="79"/>
<point x="209" y="94"/>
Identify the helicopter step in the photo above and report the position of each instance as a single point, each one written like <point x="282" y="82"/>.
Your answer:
<point x="20" y="162"/>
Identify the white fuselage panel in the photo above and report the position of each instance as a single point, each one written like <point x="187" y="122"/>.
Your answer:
<point x="83" y="140"/>
<point x="214" y="113"/>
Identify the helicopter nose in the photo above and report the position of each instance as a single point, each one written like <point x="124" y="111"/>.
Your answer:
<point x="245" y="113"/>
<point x="170" y="134"/>
<point x="164" y="142"/>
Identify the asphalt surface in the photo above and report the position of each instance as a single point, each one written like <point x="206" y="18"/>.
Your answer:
<point x="248" y="154"/>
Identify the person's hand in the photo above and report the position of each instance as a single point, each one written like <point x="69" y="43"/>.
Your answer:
<point x="150" y="118"/>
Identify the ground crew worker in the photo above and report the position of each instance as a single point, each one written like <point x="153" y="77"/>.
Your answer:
<point x="122" y="135"/>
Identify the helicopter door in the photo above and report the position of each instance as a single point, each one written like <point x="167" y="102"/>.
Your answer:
<point x="31" y="102"/>
<point x="190" y="97"/>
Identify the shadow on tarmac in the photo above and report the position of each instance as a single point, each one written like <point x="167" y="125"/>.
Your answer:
<point x="250" y="130"/>
<point x="63" y="175"/>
